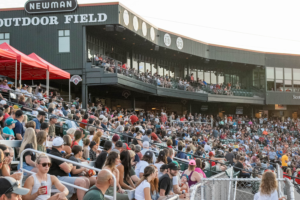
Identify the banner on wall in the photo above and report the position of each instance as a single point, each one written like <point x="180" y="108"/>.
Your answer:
<point x="280" y="107"/>
<point x="239" y="110"/>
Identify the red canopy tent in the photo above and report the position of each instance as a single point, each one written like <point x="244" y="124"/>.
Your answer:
<point x="52" y="72"/>
<point x="30" y="69"/>
<point x="6" y="55"/>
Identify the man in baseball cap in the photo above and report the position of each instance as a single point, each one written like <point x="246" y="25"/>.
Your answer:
<point x="11" y="189"/>
<point x="165" y="184"/>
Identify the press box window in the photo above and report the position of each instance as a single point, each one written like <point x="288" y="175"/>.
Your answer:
<point x="4" y="37"/>
<point x="64" y="41"/>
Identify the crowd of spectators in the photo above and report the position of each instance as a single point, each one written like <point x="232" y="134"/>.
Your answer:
<point x="142" y="150"/>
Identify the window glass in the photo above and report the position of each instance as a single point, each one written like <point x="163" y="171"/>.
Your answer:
<point x="213" y="78"/>
<point x="288" y="73"/>
<point x="60" y="33"/>
<point x="296" y="73"/>
<point x="64" y="44"/>
<point x="141" y="67"/>
<point x="270" y="73"/>
<point x="135" y="65"/>
<point x="221" y="79"/>
<point x="1" y="36"/>
<point x="296" y="86"/>
<point x="148" y="67"/>
<point x="200" y="74"/>
<point x="279" y="73"/>
<point x="67" y="32"/>
<point x="7" y="35"/>
<point x="153" y="69"/>
<point x="207" y="77"/>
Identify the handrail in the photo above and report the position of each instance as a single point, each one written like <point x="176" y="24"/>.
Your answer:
<point x="72" y="162"/>
<point x="279" y="176"/>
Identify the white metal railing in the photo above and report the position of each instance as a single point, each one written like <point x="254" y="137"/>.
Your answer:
<point x="279" y="172"/>
<point x="74" y="163"/>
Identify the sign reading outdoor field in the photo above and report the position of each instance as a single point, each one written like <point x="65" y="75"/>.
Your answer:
<point x="50" y="6"/>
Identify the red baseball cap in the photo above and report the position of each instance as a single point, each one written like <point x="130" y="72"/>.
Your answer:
<point x="127" y="146"/>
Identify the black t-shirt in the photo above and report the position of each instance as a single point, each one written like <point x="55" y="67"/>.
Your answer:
<point x="165" y="183"/>
<point x="129" y="138"/>
<point x="101" y="160"/>
<point x="229" y="157"/>
<point x="239" y="166"/>
<point x="32" y="154"/>
<point x="169" y="160"/>
<point x="75" y="160"/>
<point x="55" y="169"/>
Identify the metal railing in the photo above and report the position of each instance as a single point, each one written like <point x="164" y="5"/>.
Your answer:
<point x="219" y="189"/>
<point x="194" y="122"/>
<point x="74" y="163"/>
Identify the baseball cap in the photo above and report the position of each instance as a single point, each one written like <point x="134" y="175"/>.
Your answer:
<point x="25" y="85"/>
<point x="57" y="142"/>
<point x="146" y="144"/>
<point x="127" y="146"/>
<point x="10" y="185"/>
<point x="3" y="102"/>
<point x="10" y="121"/>
<point x="53" y="117"/>
<point x="161" y="153"/>
<point x="172" y="166"/>
<point x="149" y="153"/>
<point x="42" y="113"/>
<point x="192" y="162"/>
<point x="119" y="144"/>
<point x="115" y="138"/>
<point x="77" y="98"/>
<point x="210" y="154"/>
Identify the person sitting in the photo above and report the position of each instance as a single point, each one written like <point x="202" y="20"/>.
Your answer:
<point x="165" y="184"/>
<point x="147" y="160"/>
<point x="67" y="144"/>
<point x="143" y="187"/>
<point x="180" y="153"/>
<point x="193" y="178"/>
<point x="102" y="156"/>
<point x="29" y="142"/>
<point x="93" y="151"/>
<point x="86" y="153"/>
<point x="125" y="170"/>
<point x="5" y="158"/>
<point x="62" y="169"/>
<point x="41" y="138"/>
<point x="9" y="190"/>
<point x="39" y="120"/>
<point x="104" y="181"/>
<point x="239" y="167"/>
<point x="39" y="191"/>
<point x="76" y="156"/>
<point x="8" y="132"/>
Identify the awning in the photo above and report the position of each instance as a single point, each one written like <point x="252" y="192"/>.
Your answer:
<point x="6" y="55"/>
<point x="54" y="72"/>
<point x="31" y="69"/>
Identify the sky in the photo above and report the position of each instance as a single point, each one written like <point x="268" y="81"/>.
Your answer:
<point x="264" y="25"/>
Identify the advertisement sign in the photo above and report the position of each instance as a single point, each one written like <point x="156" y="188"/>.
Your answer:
<point x="280" y="107"/>
<point x="204" y="107"/>
<point x="50" y="6"/>
<point x="239" y="110"/>
<point x="76" y="79"/>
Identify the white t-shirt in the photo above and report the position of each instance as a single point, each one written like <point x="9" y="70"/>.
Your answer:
<point x="273" y="196"/>
<point x="140" y="167"/>
<point x="139" y="191"/>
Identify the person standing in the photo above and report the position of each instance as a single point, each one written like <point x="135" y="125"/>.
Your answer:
<point x="104" y="181"/>
<point x="284" y="161"/>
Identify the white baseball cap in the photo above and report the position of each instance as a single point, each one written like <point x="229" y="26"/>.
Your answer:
<point x="3" y="102"/>
<point x="57" y="142"/>
<point x="146" y="144"/>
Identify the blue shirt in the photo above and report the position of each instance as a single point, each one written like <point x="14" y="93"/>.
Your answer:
<point x="19" y="129"/>
<point x="278" y="155"/>
<point x="8" y="131"/>
<point x="181" y="155"/>
<point x="37" y="123"/>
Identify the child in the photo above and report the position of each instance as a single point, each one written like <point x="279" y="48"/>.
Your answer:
<point x="184" y="183"/>
<point x="86" y="152"/>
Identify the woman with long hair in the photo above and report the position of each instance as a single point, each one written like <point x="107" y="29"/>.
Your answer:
<point x="112" y="160"/>
<point x="5" y="160"/>
<point x="161" y="160"/>
<point x="154" y="185"/>
<point x="76" y="156"/>
<point x="29" y="142"/>
<point x="268" y="187"/>
<point x="200" y="166"/>
<point x="41" y="138"/>
<point x="125" y="170"/>
<point x="143" y="187"/>
<point x="97" y="137"/>
<point x="146" y="160"/>
<point x="77" y="138"/>
<point x="67" y="144"/>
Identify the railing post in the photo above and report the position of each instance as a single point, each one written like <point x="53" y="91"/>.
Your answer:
<point x="231" y="176"/>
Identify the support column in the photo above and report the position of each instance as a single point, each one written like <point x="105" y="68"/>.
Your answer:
<point x="133" y="103"/>
<point x="20" y="81"/>
<point x="47" y="82"/>
<point x="69" y="90"/>
<point x="16" y="74"/>
<point x="84" y="88"/>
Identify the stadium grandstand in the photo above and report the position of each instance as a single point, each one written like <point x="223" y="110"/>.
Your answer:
<point x="97" y="103"/>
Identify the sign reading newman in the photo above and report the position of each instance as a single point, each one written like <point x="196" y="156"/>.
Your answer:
<point x="49" y="6"/>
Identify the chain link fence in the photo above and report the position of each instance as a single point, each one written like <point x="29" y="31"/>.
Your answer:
<point x="235" y="189"/>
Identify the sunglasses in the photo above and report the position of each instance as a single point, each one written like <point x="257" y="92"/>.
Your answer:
<point x="45" y="164"/>
<point x="7" y="154"/>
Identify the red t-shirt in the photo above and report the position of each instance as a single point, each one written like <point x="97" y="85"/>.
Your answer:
<point x="83" y="121"/>
<point x="124" y="66"/>
<point x="182" y="119"/>
<point x="154" y="136"/>
<point x="5" y="116"/>
<point x="212" y="163"/>
<point x="74" y="144"/>
<point x="134" y="119"/>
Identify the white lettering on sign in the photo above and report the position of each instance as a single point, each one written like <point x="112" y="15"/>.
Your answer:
<point x="38" y="6"/>
<point x="54" y="5"/>
<point x="69" y="4"/>
<point x="45" y="5"/>
<point x="53" y="20"/>
<point x="296" y="97"/>
<point x="31" y="6"/>
<point x="62" y="4"/>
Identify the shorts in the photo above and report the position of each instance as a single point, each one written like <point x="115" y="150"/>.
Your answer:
<point x="67" y="179"/>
